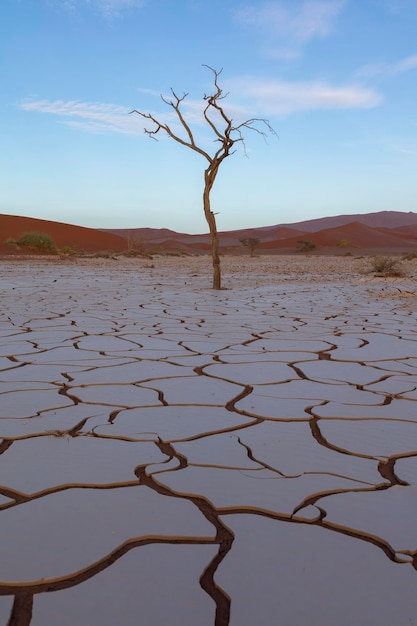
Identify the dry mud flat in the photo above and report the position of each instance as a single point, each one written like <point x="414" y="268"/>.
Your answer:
<point x="174" y="455"/>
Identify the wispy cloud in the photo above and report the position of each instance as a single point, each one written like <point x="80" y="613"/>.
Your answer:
<point x="250" y="97"/>
<point x="108" y="8"/>
<point x="386" y="70"/>
<point x="405" y="149"/>
<point x="92" y="117"/>
<point x="102" y="118"/>
<point x="398" y="8"/>
<point x="293" y="24"/>
<point x="274" y="97"/>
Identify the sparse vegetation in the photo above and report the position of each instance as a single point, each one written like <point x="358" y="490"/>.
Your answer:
<point x="345" y="243"/>
<point x="386" y="266"/>
<point x="306" y="246"/>
<point x="40" y="242"/>
<point x="105" y="254"/>
<point x="251" y="243"/>
<point x="69" y="251"/>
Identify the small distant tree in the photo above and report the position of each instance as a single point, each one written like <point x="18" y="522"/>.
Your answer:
<point x="35" y="241"/>
<point x="251" y="243"/>
<point x="226" y="134"/>
<point x="134" y="242"/>
<point x="306" y="246"/>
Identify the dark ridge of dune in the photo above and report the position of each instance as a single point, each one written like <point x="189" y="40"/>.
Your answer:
<point x="269" y="233"/>
<point x="164" y="237"/>
<point x="408" y="231"/>
<point x="348" y="236"/>
<point x="380" y="219"/>
<point x="64" y="235"/>
<point x="148" y="234"/>
<point x="272" y="234"/>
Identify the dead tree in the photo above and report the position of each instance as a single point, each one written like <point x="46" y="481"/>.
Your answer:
<point x="251" y="243"/>
<point x="226" y="135"/>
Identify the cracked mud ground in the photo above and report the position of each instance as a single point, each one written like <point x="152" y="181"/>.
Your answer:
<point x="173" y="455"/>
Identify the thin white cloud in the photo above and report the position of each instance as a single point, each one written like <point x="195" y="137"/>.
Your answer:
<point x="386" y="70"/>
<point x="409" y="63"/>
<point x="293" y="24"/>
<point x="398" y="8"/>
<point x="410" y="150"/>
<point x="101" y="118"/>
<point x="111" y="8"/>
<point x="94" y="117"/>
<point x="273" y="97"/>
<point x="108" y="8"/>
<point x="251" y="97"/>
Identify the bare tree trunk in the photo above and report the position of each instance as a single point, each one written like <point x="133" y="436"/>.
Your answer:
<point x="209" y="177"/>
<point x="22" y="609"/>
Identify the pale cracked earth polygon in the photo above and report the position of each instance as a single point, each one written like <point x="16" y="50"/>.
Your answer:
<point x="170" y="454"/>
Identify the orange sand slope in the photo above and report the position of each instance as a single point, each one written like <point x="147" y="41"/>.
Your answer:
<point x="77" y="237"/>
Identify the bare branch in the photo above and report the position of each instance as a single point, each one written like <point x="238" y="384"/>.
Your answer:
<point x="177" y="110"/>
<point x="159" y="126"/>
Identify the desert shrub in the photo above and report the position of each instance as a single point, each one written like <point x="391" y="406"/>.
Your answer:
<point x="386" y="266"/>
<point x="105" y="254"/>
<point x="306" y="246"/>
<point x="136" y="254"/>
<point x="35" y="241"/>
<point x="70" y="251"/>
<point x="410" y="256"/>
<point x="131" y="252"/>
<point x="345" y="243"/>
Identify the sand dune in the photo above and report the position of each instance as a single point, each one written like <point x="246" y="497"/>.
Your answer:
<point x="353" y="235"/>
<point x="87" y="239"/>
<point x="368" y="235"/>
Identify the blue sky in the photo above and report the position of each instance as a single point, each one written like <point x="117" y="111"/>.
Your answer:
<point x="337" y="79"/>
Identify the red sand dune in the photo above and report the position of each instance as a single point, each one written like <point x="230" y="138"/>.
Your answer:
<point x="87" y="239"/>
<point x="380" y="219"/>
<point x="166" y="238"/>
<point x="348" y="237"/>
<point x="409" y="231"/>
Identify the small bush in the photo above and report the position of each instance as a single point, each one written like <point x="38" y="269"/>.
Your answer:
<point x="386" y="266"/>
<point x="410" y="256"/>
<point x="35" y="241"/>
<point x="344" y="243"/>
<point x="105" y="254"/>
<point x="306" y="246"/>
<point x="69" y="251"/>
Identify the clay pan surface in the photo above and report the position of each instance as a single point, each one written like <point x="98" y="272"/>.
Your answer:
<point x="175" y="455"/>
